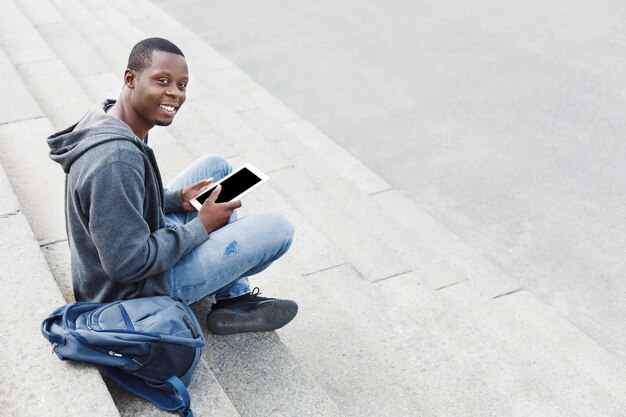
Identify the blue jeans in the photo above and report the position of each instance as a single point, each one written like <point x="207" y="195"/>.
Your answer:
<point x="221" y="265"/>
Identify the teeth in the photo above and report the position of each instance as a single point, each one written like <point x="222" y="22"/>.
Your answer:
<point x="168" y="108"/>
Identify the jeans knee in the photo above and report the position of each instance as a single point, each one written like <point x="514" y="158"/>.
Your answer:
<point x="217" y="165"/>
<point x="280" y="226"/>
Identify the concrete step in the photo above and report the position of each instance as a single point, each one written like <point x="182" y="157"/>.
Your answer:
<point x="37" y="65"/>
<point x="21" y="106"/>
<point x="25" y="158"/>
<point x="437" y="254"/>
<point x="204" y="402"/>
<point x="261" y="376"/>
<point x="34" y="381"/>
<point x="397" y="348"/>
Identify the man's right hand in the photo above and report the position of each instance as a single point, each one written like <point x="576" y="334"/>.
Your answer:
<point x="215" y="215"/>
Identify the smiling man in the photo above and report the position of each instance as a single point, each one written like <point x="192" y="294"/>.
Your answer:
<point x="156" y="81"/>
<point x="131" y="237"/>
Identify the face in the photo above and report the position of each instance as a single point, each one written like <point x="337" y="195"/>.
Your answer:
<point x="158" y="92"/>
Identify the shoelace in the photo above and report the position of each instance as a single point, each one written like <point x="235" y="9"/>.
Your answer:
<point x="256" y="294"/>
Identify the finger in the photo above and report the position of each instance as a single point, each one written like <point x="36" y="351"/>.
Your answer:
<point x="215" y="194"/>
<point x="203" y="184"/>
<point x="205" y="187"/>
<point x="235" y="204"/>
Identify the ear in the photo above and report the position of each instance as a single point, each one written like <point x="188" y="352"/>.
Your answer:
<point x="130" y="77"/>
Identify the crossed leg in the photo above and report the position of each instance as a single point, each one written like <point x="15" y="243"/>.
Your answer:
<point x="221" y="265"/>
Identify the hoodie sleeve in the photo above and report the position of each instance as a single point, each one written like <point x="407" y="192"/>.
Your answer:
<point x="173" y="201"/>
<point x="129" y="251"/>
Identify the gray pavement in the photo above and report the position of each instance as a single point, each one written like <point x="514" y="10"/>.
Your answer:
<point x="430" y="329"/>
<point x="504" y="121"/>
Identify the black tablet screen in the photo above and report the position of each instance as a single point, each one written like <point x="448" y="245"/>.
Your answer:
<point x="232" y="186"/>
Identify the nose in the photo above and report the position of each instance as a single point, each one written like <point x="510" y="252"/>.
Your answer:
<point x="174" y="92"/>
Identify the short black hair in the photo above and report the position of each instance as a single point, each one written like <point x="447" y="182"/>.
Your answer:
<point x="140" y="56"/>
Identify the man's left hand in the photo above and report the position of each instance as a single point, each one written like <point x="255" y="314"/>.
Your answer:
<point x="192" y="191"/>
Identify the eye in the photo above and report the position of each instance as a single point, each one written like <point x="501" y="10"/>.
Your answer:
<point x="182" y="85"/>
<point x="163" y="81"/>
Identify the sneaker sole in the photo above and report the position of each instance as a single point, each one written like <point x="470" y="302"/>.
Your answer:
<point x="267" y="317"/>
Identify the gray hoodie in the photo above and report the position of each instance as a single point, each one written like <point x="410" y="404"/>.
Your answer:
<point x="114" y="211"/>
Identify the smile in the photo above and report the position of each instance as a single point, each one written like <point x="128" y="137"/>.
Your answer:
<point x="168" y="108"/>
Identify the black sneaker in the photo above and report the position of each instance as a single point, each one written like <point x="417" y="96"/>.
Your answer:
<point x="250" y="313"/>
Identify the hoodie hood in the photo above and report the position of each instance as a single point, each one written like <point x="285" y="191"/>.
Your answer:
<point x="94" y="129"/>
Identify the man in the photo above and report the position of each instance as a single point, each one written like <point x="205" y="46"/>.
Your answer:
<point x="131" y="237"/>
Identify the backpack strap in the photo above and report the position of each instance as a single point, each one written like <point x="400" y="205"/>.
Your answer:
<point x="179" y="403"/>
<point x="54" y="338"/>
<point x="45" y="329"/>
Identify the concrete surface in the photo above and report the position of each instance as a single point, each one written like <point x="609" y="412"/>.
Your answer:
<point x="34" y="381"/>
<point x="407" y="350"/>
<point x="503" y="120"/>
<point x="260" y="375"/>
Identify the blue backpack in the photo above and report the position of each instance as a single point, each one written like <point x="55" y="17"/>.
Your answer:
<point x="150" y="346"/>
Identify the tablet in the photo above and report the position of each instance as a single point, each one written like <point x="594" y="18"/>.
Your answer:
<point x="234" y="186"/>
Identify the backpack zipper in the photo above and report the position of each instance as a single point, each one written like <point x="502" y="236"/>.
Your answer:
<point x="119" y="355"/>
